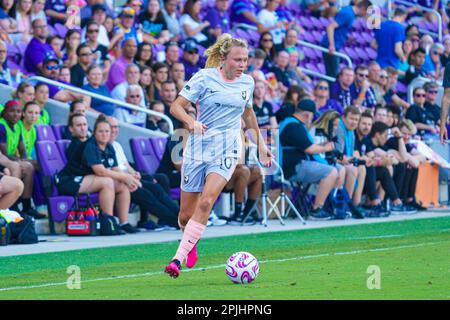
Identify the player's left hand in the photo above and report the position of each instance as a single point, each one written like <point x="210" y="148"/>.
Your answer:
<point x="266" y="157"/>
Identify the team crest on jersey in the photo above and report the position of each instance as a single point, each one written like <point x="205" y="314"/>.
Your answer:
<point x="186" y="179"/>
<point x="244" y="95"/>
<point x="187" y="88"/>
<point x="110" y="162"/>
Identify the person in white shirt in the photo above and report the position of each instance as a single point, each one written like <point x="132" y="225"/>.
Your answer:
<point x="132" y="75"/>
<point x="191" y="25"/>
<point x="134" y="97"/>
<point x="269" y="19"/>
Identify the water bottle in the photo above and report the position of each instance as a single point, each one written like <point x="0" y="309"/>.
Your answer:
<point x="363" y="150"/>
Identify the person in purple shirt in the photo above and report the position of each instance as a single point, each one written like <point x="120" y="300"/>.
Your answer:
<point x="363" y="95"/>
<point x="322" y="98"/>
<point x="340" y="90"/>
<point x="55" y="10"/>
<point x="117" y="72"/>
<point x="219" y="19"/>
<point x="191" y="59"/>
<point x="37" y="50"/>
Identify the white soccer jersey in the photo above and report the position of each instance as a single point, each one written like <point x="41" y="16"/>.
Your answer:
<point x="220" y="105"/>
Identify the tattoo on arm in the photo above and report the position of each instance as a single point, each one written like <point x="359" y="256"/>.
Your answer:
<point x="445" y="105"/>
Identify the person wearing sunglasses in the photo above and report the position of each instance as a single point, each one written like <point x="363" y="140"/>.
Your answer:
<point x="432" y="65"/>
<point x="322" y="99"/>
<point x="100" y="53"/>
<point x="37" y="49"/>
<point x="363" y="95"/>
<point x="432" y="108"/>
<point x="78" y="71"/>
<point x="417" y="113"/>
<point x="134" y="97"/>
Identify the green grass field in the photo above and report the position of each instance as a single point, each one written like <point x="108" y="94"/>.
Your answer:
<point x="332" y="263"/>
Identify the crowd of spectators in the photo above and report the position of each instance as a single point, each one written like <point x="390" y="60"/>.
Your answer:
<point x="143" y="54"/>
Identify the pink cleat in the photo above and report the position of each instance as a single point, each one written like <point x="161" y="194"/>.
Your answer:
<point x="173" y="269"/>
<point x="192" y="257"/>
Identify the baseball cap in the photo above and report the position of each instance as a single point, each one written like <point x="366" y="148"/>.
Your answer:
<point x="128" y="12"/>
<point x="51" y="58"/>
<point x="190" y="45"/>
<point x="98" y="6"/>
<point x="307" y="105"/>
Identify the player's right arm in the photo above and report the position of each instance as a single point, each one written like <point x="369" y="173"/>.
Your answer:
<point x="179" y="110"/>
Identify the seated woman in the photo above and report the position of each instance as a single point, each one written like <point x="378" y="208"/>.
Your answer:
<point x="41" y="97"/>
<point x="95" y="79"/>
<point x="31" y="113"/>
<point x="24" y="93"/>
<point x="92" y="167"/>
<point x="13" y="147"/>
<point x="191" y="24"/>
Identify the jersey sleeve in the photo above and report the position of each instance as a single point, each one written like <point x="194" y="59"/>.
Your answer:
<point x="250" y="98"/>
<point x="92" y="155"/>
<point x="195" y="87"/>
<point x="446" y="82"/>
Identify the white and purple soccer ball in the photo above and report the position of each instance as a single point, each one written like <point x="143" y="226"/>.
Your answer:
<point x="242" y="267"/>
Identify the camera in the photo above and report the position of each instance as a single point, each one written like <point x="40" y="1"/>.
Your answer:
<point x="358" y="162"/>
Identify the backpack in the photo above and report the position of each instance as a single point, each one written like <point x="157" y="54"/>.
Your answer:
<point x="4" y="232"/>
<point x="336" y="203"/>
<point x="108" y="225"/>
<point x="23" y="232"/>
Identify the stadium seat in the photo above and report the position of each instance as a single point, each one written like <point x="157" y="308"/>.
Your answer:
<point x="45" y="133"/>
<point x="159" y="146"/>
<point x="58" y="130"/>
<point x="62" y="145"/>
<point x="144" y="155"/>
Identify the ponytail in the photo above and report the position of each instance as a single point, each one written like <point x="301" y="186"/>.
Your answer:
<point x="221" y="48"/>
<point x="100" y="119"/>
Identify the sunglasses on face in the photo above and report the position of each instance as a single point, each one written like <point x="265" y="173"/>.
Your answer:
<point x="383" y="77"/>
<point x="192" y="52"/>
<point x="433" y="92"/>
<point x="363" y="75"/>
<point x="322" y="87"/>
<point x="52" y="67"/>
<point x="267" y="40"/>
<point x="436" y="53"/>
<point x="93" y="31"/>
<point x="85" y="54"/>
<point x="420" y="95"/>
<point x="135" y="96"/>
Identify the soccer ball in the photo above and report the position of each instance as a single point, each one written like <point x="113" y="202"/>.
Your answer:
<point x="242" y="267"/>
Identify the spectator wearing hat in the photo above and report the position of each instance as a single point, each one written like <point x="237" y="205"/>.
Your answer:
<point x="88" y="12"/>
<point x="117" y="71"/>
<point x="219" y="19"/>
<point x="300" y="156"/>
<point x="5" y="73"/>
<point x="191" y="59"/>
<point x="37" y="50"/>
<point x="78" y="71"/>
<point x="127" y="27"/>
<point x="389" y="40"/>
<point x="172" y="21"/>
<point x="431" y="107"/>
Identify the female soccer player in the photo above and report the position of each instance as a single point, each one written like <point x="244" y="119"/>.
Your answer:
<point x="224" y="95"/>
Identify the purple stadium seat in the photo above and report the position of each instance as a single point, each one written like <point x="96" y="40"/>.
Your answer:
<point x="58" y="130"/>
<point x="159" y="146"/>
<point x="367" y="36"/>
<point x="144" y="155"/>
<point x="309" y="37"/>
<point x="45" y="133"/>
<point x="61" y="30"/>
<point x="318" y="35"/>
<point x="62" y="145"/>
<point x="372" y="53"/>
<point x="361" y="54"/>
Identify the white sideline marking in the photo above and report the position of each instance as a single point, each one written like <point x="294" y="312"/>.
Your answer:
<point x="149" y="274"/>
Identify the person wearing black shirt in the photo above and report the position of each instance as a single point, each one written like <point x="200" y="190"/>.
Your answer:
<point x="280" y="70"/>
<point x="445" y="104"/>
<point x="419" y="115"/>
<point x="293" y="96"/>
<point x="263" y="108"/>
<point x="374" y="148"/>
<point x="300" y="156"/>
<point x="92" y="167"/>
<point x="432" y="108"/>
<point x="416" y="61"/>
<point x="78" y="71"/>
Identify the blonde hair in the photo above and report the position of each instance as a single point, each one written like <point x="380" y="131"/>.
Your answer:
<point x="221" y="48"/>
<point x="408" y="124"/>
<point x="325" y="118"/>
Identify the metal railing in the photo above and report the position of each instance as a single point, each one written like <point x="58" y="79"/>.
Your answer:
<point x="408" y="4"/>
<point x="323" y="49"/>
<point x="103" y="98"/>
<point x="317" y="75"/>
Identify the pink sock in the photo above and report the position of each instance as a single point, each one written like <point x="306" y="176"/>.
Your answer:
<point x="192" y="233"/>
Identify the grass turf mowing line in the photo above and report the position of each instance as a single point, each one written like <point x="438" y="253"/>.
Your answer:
<point x="138" y="259"/>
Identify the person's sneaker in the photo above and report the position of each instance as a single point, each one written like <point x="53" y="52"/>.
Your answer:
<point x="378" y="211"/>
<point x="173" y="269"/>
<point x="128" y="228"/>
<point x="319" y="215"/>
<point x="164" y="227"/>
<point x="402" y="209"/>
<point x="416" y="206"/>
<point x="209" y="223"/>
<point x="355" y="211"/>
<point x="238" y="221"/>
<point x="215" y="220"/>
<point x="192" y="257"/>
<point x="148" y="225"/>
<point x="34" y="214"/>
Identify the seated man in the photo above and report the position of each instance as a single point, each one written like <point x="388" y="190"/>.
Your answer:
<point x="132" y="75"/>
<point x="133" y="97"/>
<point x="300" y="161"/>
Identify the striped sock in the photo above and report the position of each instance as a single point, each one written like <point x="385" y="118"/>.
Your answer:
<point x="192" y="233"/>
